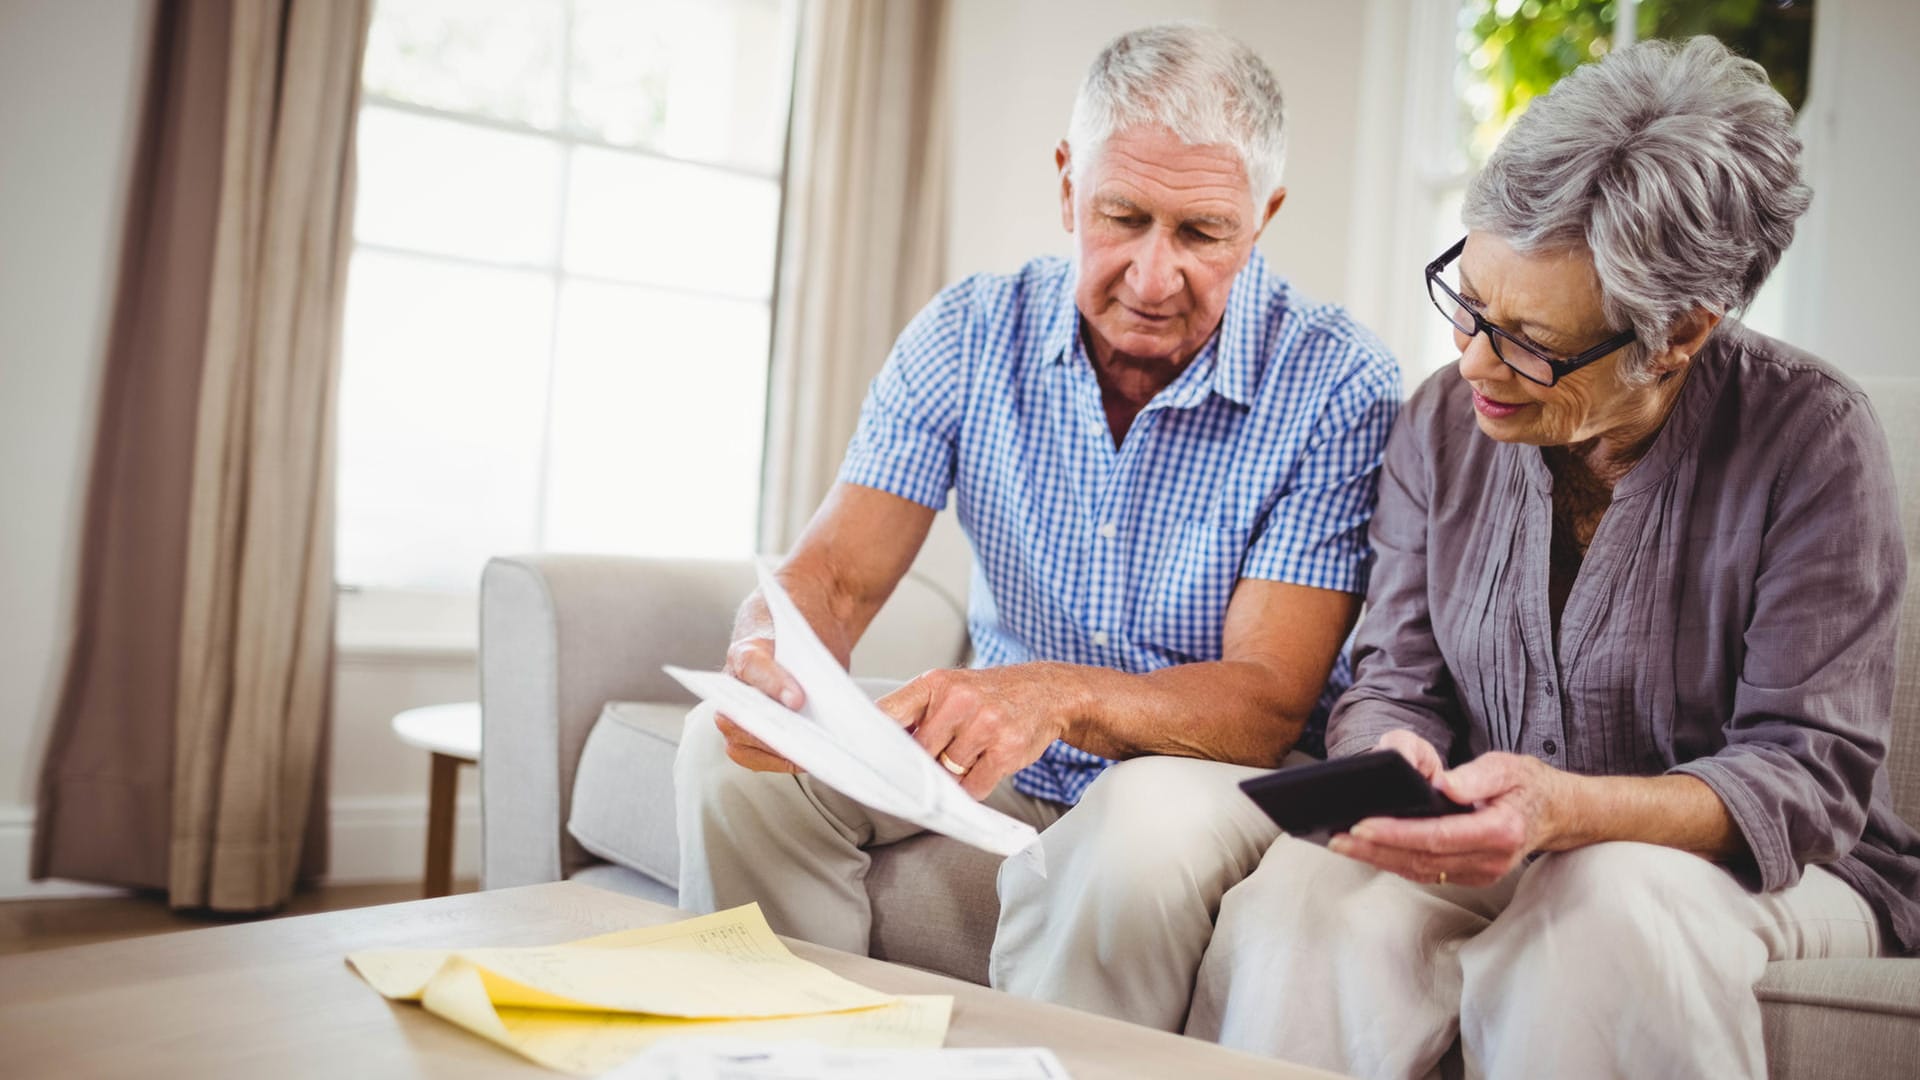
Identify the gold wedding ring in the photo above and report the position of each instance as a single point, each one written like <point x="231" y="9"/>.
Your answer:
<point x="948" y="763"/>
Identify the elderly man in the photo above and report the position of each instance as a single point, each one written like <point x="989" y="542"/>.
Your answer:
<point x="1165" y="460"/>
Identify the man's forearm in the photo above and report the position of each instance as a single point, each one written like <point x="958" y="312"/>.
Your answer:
<point x="844" y="566"/>
<point x="1235" y="711"/>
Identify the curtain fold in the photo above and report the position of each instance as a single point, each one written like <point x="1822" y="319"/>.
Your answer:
<point x="188" y="750"/>
<point x="862" y="235"/>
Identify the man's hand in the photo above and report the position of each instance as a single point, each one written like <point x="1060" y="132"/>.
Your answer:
<point x="750" y="659"/>
<point x="984" y="725"/>
<point x="844" y="566"/>
<point x="1522" y="805"/>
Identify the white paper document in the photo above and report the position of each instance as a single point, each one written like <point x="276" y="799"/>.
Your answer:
<point x="841" y="737"/>
<point x="710" y="1060"/>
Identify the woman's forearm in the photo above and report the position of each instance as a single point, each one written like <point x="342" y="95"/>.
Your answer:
<point x="1672" y="811"/>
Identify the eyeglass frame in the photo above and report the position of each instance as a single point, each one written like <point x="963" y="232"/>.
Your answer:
<point x="1557" y="367"/>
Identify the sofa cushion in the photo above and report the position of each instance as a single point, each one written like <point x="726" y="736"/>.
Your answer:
<point x="623" y="789"/>
<point x="623" y="808"/>
<point x="934" y="905"/>
<point x="1839" y="1019"/>
<point x="627" y="882"/>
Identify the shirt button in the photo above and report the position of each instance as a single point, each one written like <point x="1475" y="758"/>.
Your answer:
<point x="1108" y="530"/>
<point x="1100" y="637"/>
<point x="1550" y="747"/>
<point x="1093" y="428"/>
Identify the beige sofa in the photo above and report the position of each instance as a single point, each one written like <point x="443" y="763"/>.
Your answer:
<point x="580" y="729"/>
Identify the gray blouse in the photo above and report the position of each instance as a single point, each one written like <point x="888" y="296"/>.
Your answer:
<point x="1734" y="618"/>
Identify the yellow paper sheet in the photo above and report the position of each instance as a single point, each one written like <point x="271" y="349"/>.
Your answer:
<point x="585" y="1006"/>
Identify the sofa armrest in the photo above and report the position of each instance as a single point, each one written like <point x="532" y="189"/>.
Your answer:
<point x="560" y="636"/>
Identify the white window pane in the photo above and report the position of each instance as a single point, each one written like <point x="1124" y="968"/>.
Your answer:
<point x="449" y="188"/>
<point x="699" y="79"/>
<point x="442" y="396"/>
<point x="499" y="58"/>
<point x="1437" y="348"/>
<point x="658" y="406"/>
<point x="640" y="219"/>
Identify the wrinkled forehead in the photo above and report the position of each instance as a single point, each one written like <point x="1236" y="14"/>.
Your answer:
<point x="1557" y="284"/>
<point x="1152" y="165"/>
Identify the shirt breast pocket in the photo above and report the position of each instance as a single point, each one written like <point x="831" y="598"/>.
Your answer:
<point x="1182" y="605"/>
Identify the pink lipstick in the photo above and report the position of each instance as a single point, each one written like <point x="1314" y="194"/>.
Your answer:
<point x="1494" y="410"/>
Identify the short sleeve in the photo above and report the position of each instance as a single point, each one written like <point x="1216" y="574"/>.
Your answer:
<point x="1316" y="532"/>
<point x="910" y="420"/>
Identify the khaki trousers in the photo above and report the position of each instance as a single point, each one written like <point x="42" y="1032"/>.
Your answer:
<point x="1618" y="959"/>
<point x="1116" y="925"/>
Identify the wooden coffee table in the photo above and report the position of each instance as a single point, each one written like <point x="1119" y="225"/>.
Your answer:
<point x="276" y="999"/>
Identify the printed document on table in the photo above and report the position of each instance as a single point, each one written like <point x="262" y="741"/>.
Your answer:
<point x="841" y="737"/>
<point x="586" y="1006"/>
<point x="706" y="1059"/>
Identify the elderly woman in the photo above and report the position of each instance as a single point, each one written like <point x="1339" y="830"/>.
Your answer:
<point x="1638" y="575"/>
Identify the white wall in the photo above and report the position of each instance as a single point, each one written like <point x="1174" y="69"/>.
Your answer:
<point x="69" y="85"/>
<point x="1847" y="290"/>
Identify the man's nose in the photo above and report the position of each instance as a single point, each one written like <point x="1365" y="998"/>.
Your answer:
<point x="1154" y="274"/>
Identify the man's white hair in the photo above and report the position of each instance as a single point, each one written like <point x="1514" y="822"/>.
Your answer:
<point x="1197" y="82"/>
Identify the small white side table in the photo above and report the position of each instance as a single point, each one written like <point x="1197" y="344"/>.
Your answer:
<point x="451" y="733"/>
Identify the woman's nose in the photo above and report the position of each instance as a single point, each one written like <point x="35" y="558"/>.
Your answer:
<point x="1477" y="358"/>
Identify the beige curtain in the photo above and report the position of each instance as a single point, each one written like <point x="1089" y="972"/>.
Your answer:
<point x="863" y="237"/>
<point x="188" y="752"/>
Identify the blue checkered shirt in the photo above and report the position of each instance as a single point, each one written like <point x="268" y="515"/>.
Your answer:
<point x="1258" y="461"/>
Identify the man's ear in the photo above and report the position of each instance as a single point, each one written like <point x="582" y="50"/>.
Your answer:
<point x="1273" y="207"/>
<point x="1063" y="162"/>
<point x="1686" y="339"/>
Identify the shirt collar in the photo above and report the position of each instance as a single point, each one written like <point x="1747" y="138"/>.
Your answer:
<point x="1232" y="353"/>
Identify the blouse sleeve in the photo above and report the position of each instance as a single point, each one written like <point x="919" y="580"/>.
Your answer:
<point x="1812" y="705"/>
<point x="1400" y="679"/>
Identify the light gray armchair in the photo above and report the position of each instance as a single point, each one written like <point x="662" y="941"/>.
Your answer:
<point x="581" y="726"/>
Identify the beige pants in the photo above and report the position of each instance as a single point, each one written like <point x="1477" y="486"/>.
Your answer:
<point x="1618" y="959"/>
<point x="1133" y="874"/>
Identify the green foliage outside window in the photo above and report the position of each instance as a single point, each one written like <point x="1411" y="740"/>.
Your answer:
<point x="1515" y="50"/>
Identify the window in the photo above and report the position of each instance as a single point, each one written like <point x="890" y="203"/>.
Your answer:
<point x="1412" y="153"/>
<point x="559" y="302"/>
<point x="1515" y="50"/>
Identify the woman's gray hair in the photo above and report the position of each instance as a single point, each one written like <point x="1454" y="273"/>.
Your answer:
<point x="1675" y="166"/>
<point x="1204" y="86"/>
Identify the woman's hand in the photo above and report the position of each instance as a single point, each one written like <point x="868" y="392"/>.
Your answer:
<point x="1521" y="805"/>
<point x="1418" y="751"/>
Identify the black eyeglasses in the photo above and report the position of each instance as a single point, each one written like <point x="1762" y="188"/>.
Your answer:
<point x="1526" y="360"/>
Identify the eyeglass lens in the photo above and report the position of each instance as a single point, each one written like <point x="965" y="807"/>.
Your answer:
<point x="1444" y="289"/>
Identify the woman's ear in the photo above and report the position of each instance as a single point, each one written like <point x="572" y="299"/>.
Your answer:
<point x="1686" y="339"/>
